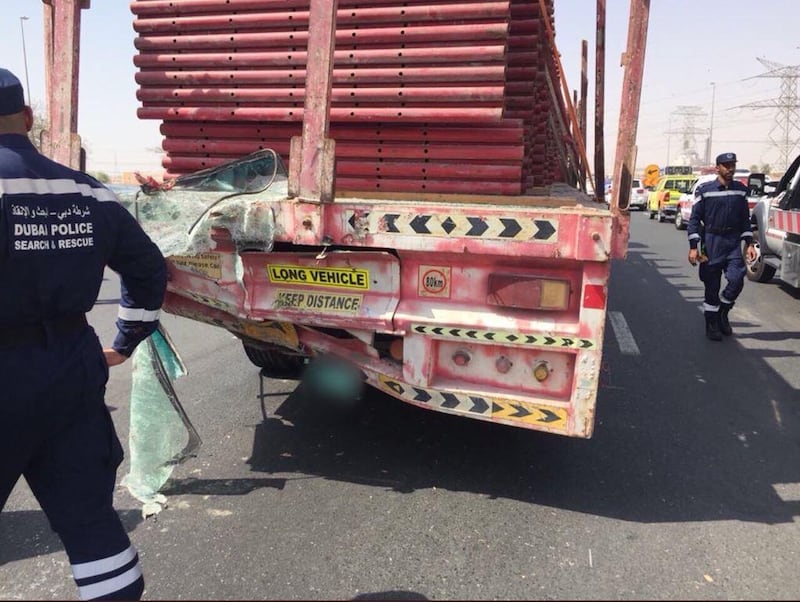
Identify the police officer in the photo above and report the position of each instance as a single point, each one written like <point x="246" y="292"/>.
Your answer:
<point x="720" y="222"/>
<point x="59" y="229"/>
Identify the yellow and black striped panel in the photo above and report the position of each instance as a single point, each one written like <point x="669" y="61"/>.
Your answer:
<point x="460" y="226"/>
<point x="505" y="338"/>
<point x="483" y="406"/>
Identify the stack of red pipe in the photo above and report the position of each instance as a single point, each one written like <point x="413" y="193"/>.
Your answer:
<point x="440" y="96"/>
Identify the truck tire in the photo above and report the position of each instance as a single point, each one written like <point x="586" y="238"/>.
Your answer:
<point x="757" y="271"/>
<point x="679" y="223"/>
<point x="273" y="362"/>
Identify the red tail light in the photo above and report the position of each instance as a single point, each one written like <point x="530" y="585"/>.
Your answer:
<point x="528" y="292"/>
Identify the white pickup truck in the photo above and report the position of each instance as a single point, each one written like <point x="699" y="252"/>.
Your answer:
<point x="776" y="229"/>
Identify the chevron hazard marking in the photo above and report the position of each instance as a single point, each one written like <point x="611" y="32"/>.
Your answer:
<point x="482" y="405"/>
<point x="459" y="402"/>
<point x="464" y="226"/>
<point x="511" y="338"/>
<point x="555" y="418"/>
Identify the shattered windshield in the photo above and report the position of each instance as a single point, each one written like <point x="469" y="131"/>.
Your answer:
<point x="179" y="214"/>
<point x="253" y="173"/>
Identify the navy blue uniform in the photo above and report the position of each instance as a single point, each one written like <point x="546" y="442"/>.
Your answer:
<point x="721" y="221"/>
<point x="59" y="229"/>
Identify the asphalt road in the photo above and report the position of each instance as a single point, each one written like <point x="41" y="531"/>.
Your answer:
<point x="690" y="487"/>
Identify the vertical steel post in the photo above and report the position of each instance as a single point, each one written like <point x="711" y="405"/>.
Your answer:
<point x="312" y="156"/>
<point x="625" y="158"/>
<point x="62" y="32"/>
<point x="583" y="112"/>
<point x="599" y="101"/>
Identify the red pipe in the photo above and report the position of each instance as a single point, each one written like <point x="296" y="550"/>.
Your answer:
<point x="380" y="35"/>
<point x="186" y="7"/>
<point x="505" y="132"/>
<point x="450" y="115"/>
<point x="208" y="60"/>
<point x="443" y="75"/>
<point x="240" y="96"/>
<point x="299" y="18"/>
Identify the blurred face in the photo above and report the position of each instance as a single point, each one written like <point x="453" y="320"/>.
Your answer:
<point x="726" y="170"/>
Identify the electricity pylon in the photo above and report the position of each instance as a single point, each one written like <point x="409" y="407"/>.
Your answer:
<point x="787" y="123"/>
<point x="687" y="130"/>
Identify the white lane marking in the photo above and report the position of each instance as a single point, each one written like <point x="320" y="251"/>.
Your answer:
<point x="788" y="492"/>
<point x="627" y="344"/>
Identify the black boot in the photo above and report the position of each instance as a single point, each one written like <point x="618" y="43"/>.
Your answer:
<point x="724" y="324"/>
<point x="712" y="326"/>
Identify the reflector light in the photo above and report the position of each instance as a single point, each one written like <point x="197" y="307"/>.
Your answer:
<point x="503" y="364"/>
<point x="541" y="371"/>
<point x="461" y="358"/>
<point x="396" y="349"/>
<point x="594" y="296"/>
<point x="528" y="292"/>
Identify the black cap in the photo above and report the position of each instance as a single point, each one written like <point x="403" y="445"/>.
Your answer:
<point x="726" y="158"/>
<point x="12" y="100"/>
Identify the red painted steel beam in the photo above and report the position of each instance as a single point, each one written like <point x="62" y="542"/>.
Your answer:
<point x="284" y="60"/>
<point x="177" y="165"/>
<point x="222" y="146"/>
<point x="227" y="21"/>
<point x="436" y="152"/>
<point x="441" y="115"/>
<point x="582" y="113"/>
<point x="232" y="130"/>
<point x="62" y="31"/>
<point x="439" y="34"/>
<point x="488" y="74"/>
<point x="463" y="170"/>
<point x="625" y="160"/>
<point x="311" y="175"/>
<point x="388" y="152"/>
<point x="187" y="7"/>
<point x="599" y="102"/>
<point x="504" y="132"/>
<point x="345" y="96"/>
<point x="174" y="8"/>
<point x="438" y="185"/>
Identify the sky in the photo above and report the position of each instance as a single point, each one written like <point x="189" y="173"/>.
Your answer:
<point x="690" y="44"/>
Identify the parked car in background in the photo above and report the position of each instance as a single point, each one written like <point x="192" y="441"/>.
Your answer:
<point x="686" y="202"/>
<point x="663" y="200"/>
<point x="638" y="196"/>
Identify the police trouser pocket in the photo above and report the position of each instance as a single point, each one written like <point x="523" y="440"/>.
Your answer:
<point x="97" y="374"/>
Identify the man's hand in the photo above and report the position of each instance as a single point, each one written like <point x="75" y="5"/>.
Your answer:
<point x="751" y="253"/>
<point x="693" y="253"/>
<point x="114" y="358"/>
